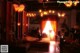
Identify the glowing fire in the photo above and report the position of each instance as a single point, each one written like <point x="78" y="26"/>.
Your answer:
<point x="50" y="29"/>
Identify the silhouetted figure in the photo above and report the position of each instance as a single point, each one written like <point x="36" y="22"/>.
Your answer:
<point x="61" y="41"/>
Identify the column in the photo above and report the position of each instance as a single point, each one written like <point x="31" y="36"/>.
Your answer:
<point x="73" y="17"/>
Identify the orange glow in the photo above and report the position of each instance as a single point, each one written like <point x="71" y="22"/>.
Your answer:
<point x="49" y="28"/>
<point x="63" y="14"/>
<point x="18" y="8"/>
<point x="45" y="12"/>
<point x="15" y="7"/>
<point x="68" y="4"/>
<point x="18" y="24"/>
<point x="40" y="10"/>
<point x="50" y="11"/>
<point x="59" y="14"/>
<point x="76" y="2"/>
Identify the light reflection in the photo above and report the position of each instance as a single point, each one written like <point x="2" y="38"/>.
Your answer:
<point x="31" y="14"/>
<point x="53" y="11"/>
<point x="52" y="47"/>
<point x="15" y="7"/>
<point x="63" y="14"/>
<point x="50" y="11"/>
<point x="21" y="8"/>
<point x="75" y="3"/>
<point x="41" y="14"/>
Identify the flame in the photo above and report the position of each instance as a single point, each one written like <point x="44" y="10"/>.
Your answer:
<point x="50" y="29"/>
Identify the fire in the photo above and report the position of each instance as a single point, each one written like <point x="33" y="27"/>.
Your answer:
<point x="50" y="29"/>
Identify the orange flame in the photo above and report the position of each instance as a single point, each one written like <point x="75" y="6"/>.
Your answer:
<point x="50" y="29"/>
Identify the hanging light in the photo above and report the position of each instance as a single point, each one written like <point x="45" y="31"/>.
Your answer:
<point x="18" y="8"/>
<point x="40" y="1"/>
<point x="53" y="11"/>
<point x="75" y="3"/>
<point x="68" y="4"/>
<point x="45" y="12"/>
<point x="50" y="11"/>
<point x="63" y="14"/>
<point x="26" y="24"/>
<point x="21" y="8"/>
<point x="15" y="7"/>
<point x="59" y="15"/>
<point x="41" y="14"/>
<point x="47" y="0"/>
<point x="40" y="10"/>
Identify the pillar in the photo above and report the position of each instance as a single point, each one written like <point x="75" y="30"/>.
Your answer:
<point x="73" y="17"/>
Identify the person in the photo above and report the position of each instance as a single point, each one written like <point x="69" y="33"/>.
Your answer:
<point x="61" y="41"/>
